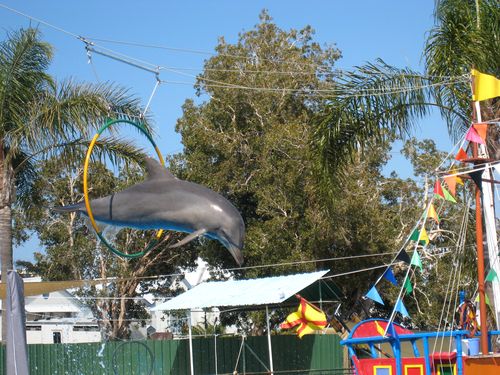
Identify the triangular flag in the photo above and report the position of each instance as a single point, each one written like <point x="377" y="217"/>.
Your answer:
<point x="492" y="275"/>
<point x="473" y="136"/>
<point x="408" y="286"/>
<point x="415" y="260"/>
<point x="476" y="177"/>
<point x="403" y="256"/>
<point x="485" y="86"/>
<point x="461" y="155"/>
<point x="458" y="180"/>
<point x="415" y="235"/>
<point x="438" y="189"/>
<point x="451" y="181"/>
<point x="389" y="276"/>
<point x="448" y="196"/>
<point x="482" y="130"/>
<point x="486" y="298"/>
<point x="373" y="294"/>
<point x="431" y="212"/>
<point x="423" y="236"/>
<point x="401" y="308"/>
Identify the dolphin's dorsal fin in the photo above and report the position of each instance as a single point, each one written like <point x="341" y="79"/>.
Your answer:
<point x="157" y="171"/>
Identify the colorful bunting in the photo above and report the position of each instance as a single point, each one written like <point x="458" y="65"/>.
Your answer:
<point x="423" y="236"/>
<point x="308" y="318"/>
<point x="408" y="286"/>
<point x="476" y="177"/>
<point x="492" y="275"/>
<point x="403" y="256"/>
<point x="420" y="236"/>
<point x="415" y="260"/>
<point x="472" y="136"/>
<point x="438" y="189"/>
<point x="431" y="212"/>
<point x="401" y="309"/>
<point x="389" y="276"/>
<point x="373" y="295"/>
<point x="486" y="298"/>
<point x="461" y="155"/>
<point x="451" y="181"/>
<point x="485" y="86"/>
<point x="482" y="130"/>
<point x="448" y="196"/>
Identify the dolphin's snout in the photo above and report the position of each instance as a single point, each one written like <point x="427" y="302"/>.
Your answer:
<point x="236" y="253"/>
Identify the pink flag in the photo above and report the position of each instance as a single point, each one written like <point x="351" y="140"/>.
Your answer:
<point x="473" y="136"/>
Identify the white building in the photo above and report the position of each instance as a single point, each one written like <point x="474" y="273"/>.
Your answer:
<point x="58" y="317"/>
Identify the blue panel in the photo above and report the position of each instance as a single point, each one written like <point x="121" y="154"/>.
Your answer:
<point x="382" y="371"/>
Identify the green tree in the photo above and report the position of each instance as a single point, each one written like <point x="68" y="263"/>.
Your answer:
<point x="40" y="118"/>
<point x="255" y="147"/>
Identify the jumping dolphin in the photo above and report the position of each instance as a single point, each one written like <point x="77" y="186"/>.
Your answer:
<point x="164" y="202"/>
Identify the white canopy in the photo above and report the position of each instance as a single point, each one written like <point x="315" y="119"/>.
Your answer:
<point x="252" y="292"/>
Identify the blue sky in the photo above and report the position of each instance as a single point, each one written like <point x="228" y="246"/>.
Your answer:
<point x="362" y="30"/>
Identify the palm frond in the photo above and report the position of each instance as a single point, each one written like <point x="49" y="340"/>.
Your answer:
<point x="377" y="101"/>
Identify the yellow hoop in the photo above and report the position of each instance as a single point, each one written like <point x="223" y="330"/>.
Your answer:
<point x="86" y="189"/>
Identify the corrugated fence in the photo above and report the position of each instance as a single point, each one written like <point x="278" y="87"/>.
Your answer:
<point x="314" y="354"/>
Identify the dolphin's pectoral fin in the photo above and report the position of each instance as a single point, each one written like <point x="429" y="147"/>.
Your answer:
<point x="189" y="238"/>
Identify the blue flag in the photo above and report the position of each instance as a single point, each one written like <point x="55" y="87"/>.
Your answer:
<point x="373" y="294"/>
<point x="402" y="309"/>
<point x="389" y="276"/>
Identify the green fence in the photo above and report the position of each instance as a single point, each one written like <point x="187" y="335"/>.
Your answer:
<point x="314" y="354"/>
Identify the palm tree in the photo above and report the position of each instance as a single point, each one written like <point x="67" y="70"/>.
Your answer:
<point x="40" y="118"/>
<point x="380" y="100"/>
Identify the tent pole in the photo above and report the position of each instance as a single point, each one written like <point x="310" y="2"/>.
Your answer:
<point x="271" y="367"/>
<point x="191" y="364"/>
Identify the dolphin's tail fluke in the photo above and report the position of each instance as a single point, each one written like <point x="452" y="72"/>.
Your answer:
<point x="69" y="208"/>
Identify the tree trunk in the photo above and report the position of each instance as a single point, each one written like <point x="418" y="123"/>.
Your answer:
<point x="6" y="175"/>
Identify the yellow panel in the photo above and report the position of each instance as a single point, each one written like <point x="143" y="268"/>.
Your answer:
<point x="441" y="367"/>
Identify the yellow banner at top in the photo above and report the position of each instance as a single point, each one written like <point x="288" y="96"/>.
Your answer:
<point x="485" y="86"/>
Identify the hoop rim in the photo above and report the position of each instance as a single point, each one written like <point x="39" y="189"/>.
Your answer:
<point x="141" y="128"/>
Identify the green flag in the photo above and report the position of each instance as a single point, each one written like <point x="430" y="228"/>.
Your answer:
<point x="448" y="196"/>
<point x="415" y="260"/>
<point x="414" y="236"/>
<point x="492" y="275"/>
<point x="408" y="286"/>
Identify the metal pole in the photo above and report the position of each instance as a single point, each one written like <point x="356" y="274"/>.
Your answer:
<point x="191" y="364"/>
<point x="271" y="367"/>
<point x="215" y="350"/>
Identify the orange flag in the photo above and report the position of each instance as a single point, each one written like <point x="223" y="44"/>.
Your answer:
<point x="451" y="181"/>
<point x="481" y="129"/>
<point x="461" y="155"/>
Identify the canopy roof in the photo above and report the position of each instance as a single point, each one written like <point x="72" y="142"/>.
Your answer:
<point x="252" y="292"/>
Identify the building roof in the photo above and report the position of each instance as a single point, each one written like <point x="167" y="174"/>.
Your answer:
<point x="252" y="292"/>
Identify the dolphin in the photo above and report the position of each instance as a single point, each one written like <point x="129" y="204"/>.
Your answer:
<point x="163" y="201"/>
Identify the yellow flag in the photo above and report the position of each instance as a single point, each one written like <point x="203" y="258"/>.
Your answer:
<point x="308" y="318"/>
<point x="431" y="212"/>
<point x="423" y="236"/>
<point x="485" y="86"/>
